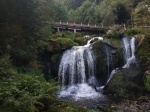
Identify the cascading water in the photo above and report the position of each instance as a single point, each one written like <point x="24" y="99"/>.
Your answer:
<point x="76" y="71"/>
<point x="107" y="50"/>
<point x="72" y="69"/>
<point x="129" y="57"/>
<point x="129" y="50"/>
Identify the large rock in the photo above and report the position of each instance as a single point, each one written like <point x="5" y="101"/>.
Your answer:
<point x="147" y="80"/>
<point x="125" y="81"/>
<point x="107" y="57"/>
<point x="60" y="44"/>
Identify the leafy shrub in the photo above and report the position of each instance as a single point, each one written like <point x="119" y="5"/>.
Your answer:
<point x="56" y="44"/>
<point x="22" y="92"/>
<point x="5" y="61"/>
<point x="80" y="40"/>
<point x="134" y="31"/>
<point x="64" y="34"/>
<point x="115" y="32"/>
<point x="5" y="67"/>
<point x="143" y="53"/>
<point x="31" y="93"/>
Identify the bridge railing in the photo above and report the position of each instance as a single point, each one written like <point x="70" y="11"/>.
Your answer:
<point x="66" y="23"/>
<point x="91" y="25"/>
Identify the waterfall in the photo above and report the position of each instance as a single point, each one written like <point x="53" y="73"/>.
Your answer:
<point x="76" y="70"/>
<point x="129" y="57"/>
<point x="107" y="50"/>
<point x="77" y="64"/>
<point x="129" y="50"/>
<point x="72" y="67"/>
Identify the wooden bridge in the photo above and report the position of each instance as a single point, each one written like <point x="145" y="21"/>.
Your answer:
<point x="81" y="27"/>
<point x="61" y="25"/>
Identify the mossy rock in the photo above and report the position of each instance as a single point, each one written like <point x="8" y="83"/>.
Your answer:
<point x="80" y="40"/>
<point x="125" y="81"/>
<point x="55" y="58"/>
<point x="147" y="80"/>
<point x="115" y="42"/>
<point x="59" y="44"/>
<point x="99" y="60"/>
<point x="143" y="54"/>
<point x="64" y="34"/>
<point x="115" y="32"/>
<point x="135" y="31"/>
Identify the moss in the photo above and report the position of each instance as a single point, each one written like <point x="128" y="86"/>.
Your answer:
<point x="143" y="53"/>
<point x="115" y="42"/>
<point x="64" y="34"/>
<point x="135" y="31"/>
<point x="55" y="58"/>
<point x="119" y="57"/>
<point x="147" y="82"/>
<point x="123" y="83"/>
<point x="115" y="32"/>
<point x="64" y="42"/>
<point x="80" y="40"/>
<point x="118" y="84"/>
<point x="58" y="44"/>
<point x="101" y="68"/>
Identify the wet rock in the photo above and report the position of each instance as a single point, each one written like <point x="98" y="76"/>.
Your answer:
<point x="124" y="81"/>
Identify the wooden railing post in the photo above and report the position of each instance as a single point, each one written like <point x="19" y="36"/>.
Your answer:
<point x="81" y="24"/>
<point x="60" y="22"/>
<point x="95" y="25"/>
<point x="67" y="22"/>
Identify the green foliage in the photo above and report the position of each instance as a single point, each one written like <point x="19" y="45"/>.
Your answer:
<point x="100" y="56"/>
<point x="124" y="82"/>
<point x="55" y="58"/>
<point x="31" y="93"/>
<point x="133" y="32"/>
<point x="147" y="82"/>
<point x="141" y="15"/>
<point x="5" y="67"/>
<point x="85" y="13"/>
<point x="64" y="42"/>
<point x="115" y="42"/>
<point x="65" y="34"/>
<point x="20" y="93"/>
<point x="117" y="12"/>
<point x="115" y="32"/>
<point x="80" y="40"/>
<point x="72" y="4"/>
<point x="143" y="53"/>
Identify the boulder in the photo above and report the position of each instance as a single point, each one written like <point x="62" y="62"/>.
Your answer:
<point x="147" y="80"/>
<point x="125" y="81"/>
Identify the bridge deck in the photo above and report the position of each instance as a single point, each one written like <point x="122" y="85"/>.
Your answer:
<point x="76" y="25"/>
<point x="87" y="27"/>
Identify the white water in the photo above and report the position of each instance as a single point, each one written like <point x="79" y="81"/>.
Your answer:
<point x="129" y="57"/>
<point x="76" y="70"/>
<point x="129" y="50"/>
<point x="80" y="91"/>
